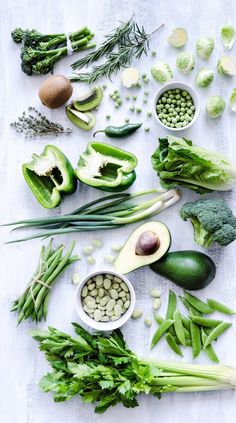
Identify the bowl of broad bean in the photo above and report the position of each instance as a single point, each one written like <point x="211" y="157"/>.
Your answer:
<point x="177" y="106"/>
<point x="105" y="300"/>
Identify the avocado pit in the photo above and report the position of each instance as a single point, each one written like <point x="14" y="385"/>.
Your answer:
<point x="148" y="243"/>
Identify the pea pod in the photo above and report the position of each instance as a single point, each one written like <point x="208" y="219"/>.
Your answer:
<point x="186" y="323"/>
<point x="119" y="131"/>
<point x="198" y="304"/>
<point x="209" y="349"/>
<point x="160" y="331"/>
<point x="158" y="318"/>
<point x="178" y="326"/>
<point x="196" y="339"/>
<point x="222" y="327"/>
<point x="193" y="310"/>
<point x="173" y="345"/>
<point x="222" y="308"/>
<point x="203" y="321"/>
<point x="171" y="308"/>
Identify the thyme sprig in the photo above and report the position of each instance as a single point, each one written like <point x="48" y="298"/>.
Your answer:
<point x="134" y="44"/>
<point x="35" y="124"/>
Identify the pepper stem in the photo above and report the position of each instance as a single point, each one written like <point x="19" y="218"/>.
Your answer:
<point x="100" y="130"/>
<point x="54" y="180"/>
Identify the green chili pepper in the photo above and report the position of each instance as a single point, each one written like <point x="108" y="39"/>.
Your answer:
<point x="106" y="167"/>
<point x="173" y="345"/>
<point x="160" y="331"/>
<point x="120" y="131"/>
<point x="50" y="175"/>
<point x="222" y="327"/>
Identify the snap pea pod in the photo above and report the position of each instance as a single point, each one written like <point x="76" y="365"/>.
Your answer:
<point x="204" y="321"/>
<point x="186" y="323"/>
<point x="198" y="304"/>
<point x="178" y="326"/>
<point x="209" y="349"/>
<point x="119" y="131"/>
<point x="196" y="339"/>
<point x="173" y="345"/>
<point x="158" y="318"/>
<point x="222" y="327"/>
<point x="160" y="332"/>
<point x="222" y="308"/>
<point x="191" y="309"/>
<point x="171" y="307"/>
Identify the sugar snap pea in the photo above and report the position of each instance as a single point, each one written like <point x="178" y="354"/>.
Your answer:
<point x="222" y="308"/>
<point x="173" y="345"/>
<point x="209" y="349"/>
<point x="186" y="322"/>
<point x="171" y="307"/>
<point x="196" y="339"/>
<point x="222" y="327"/>
<point x="160" y="331"/>
<point x="198" y="304"/>
<point x="191" y="309"/>
<point x="158" y="318"/>
<point x="178" y="326"/>
<point x="204" y="321"/>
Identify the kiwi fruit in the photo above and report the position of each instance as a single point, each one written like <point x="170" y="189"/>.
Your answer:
<point x="55" y="91"/>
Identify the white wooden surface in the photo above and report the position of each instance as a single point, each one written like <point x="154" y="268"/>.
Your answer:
<point x="21" y="362"/>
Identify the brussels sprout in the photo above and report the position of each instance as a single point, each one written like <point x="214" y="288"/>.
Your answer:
<point x="233" y="100"/>
<point x="178" y="37"/>
<point x="215" y="106"/>
<point x="204" y="47"/>
<point x="226" y="65"/>
<point x="204" y="77"/>
<point x="161" y="72"/>
<point x="228" y="36"/>
<point x="185" y="62"/>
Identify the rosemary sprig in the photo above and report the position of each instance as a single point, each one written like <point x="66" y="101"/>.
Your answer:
<point x="116" y="37"/>
<point x="134" y="45"/>
<point x="37" y="125"/>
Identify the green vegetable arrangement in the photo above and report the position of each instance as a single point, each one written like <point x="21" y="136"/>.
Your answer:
<point x="195" y="331"/>
<point x="33" y="303"/>
<point x="41" y="51"/>
<point x="108" y="212"/>
<point x="212" y="220"/>
<point x="103" y="371"/>
<point x="179" y="162"/>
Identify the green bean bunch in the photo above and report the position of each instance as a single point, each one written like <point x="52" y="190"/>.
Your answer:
<point x="196" y="330"/>
<point x="33" y="303"/>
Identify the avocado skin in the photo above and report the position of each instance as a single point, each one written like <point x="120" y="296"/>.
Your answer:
<point x="188" y="269"/>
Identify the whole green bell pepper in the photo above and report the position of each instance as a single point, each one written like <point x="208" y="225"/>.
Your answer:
<point x="50" y="175"/>
<point x="106" y="167"/>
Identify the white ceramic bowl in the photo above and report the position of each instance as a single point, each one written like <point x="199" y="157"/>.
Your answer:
<point x="104" y="326"/>
<point x="183" y="86"/>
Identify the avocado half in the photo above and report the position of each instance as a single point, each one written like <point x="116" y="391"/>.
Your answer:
<point x="147" y="244"/>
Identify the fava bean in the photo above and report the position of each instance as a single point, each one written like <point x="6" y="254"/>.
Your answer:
<point x="156" y="303"/>
<point x="137" y="313"/>
<point x="148" y="321"/>
<point x="107" y="283"/>
<point x="155" y="293"/>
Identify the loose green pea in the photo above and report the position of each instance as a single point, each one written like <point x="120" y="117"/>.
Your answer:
<point x="146" y="129"/>
<point x="138" y="109"/>
<point x="127" y="97"/>
<point x="146" y="92"/>
<point x="149" y="114"/>
<point x="153" y="53"/>
<point x="132" y="108"/>
<point x="127" y="120"/>
<point x="134" y="97"/>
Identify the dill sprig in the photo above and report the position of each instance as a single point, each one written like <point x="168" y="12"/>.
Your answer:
<point x="135" y="43"/>
<point x="117" y="36"/>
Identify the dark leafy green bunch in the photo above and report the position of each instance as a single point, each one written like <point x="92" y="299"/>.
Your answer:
<point x="212" y="220"/>
<point x="41" y="51"/>
<point x="103" y="371"/>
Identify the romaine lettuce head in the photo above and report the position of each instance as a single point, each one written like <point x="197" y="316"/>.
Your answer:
<point x="179" y="162"/>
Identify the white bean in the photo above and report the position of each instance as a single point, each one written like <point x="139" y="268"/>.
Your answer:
<point x="107" y="283"/>
<point x="155" y="293"/>
<point x="148" y="321"/>
<point x="87" y="250"/>
<point x="99" y="280"/>
<point x="156" y="303"/>
<point x="110" y="305"/>
<point x="84" y="291"/>
<point x="137" y="313"/>
<point x="114" y="294"/>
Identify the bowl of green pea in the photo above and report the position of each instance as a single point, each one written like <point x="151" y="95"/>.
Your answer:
<point x="177" y="106"/>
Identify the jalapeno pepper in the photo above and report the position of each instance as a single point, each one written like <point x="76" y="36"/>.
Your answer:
<point x="120" y="131"/>
<point x="50" y="175"/>
<point x="106" y="167"/>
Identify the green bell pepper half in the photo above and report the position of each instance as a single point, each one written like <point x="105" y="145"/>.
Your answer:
<point x="106" y="167"/>
<point x="50" y="175"/>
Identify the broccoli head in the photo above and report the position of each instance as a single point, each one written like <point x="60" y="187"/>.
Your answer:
<point x="212" y="220"/>
<point x="17" y="35"/>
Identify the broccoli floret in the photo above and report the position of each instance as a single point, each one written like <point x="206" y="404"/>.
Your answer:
<point x="17" y="35"/>
<point x="212" y="220"/>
